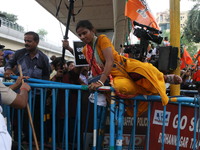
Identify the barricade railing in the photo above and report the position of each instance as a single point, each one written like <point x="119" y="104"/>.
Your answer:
<point x="191" y="142"/>
<point x="49" y="136"/>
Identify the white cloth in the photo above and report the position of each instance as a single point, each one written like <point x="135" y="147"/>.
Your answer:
<point x="83" y="78"/>
<point x="5" y="138"/>
<point x="7" y="97"/>
<point x="153" y="51"/>
<point x="101" y="99"/>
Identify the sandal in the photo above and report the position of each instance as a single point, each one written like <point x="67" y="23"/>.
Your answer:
<point x="173" y="79"/>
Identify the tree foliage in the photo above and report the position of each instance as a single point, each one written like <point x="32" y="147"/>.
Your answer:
<point x="191" y="47"/>
<point x="42" y="33"/>
<point x="13" y="19"/>
<point x="192" y="29"/>
<point x="10" y="17"/>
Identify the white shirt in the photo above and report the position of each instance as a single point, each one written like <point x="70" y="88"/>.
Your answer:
<point x="7" y="94"/>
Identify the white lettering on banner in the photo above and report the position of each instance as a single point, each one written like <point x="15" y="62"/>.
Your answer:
<point x="79" y="49"/>
<point x="118" y="142"/>
<point x="106" y="139"/>
<point x="142" y="121"/>
<point x="128" y="121"/>
<point x="139" y="139"/>
<point x="81" y="56"/>
<point x="170" y="139"/>
<point x="126" y="140"/>
<point x="183" y="122"/>
<point x="158" y="117"/>
<point x="195" y="145"/>
<point x="191" y="127"/>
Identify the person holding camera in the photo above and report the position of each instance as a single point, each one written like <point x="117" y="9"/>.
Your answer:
<point x="130" y="77"/>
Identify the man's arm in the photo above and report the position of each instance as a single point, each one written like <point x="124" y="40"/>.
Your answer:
<point x="21" y="99"/>
<point x="10" y="97"/>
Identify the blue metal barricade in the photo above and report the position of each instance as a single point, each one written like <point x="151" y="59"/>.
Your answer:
<point x="57" y="133"/>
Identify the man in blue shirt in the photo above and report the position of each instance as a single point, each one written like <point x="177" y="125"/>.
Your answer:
<point x="34" y="63"/>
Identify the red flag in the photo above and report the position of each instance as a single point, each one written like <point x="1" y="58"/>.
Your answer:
<point x="186" y="59"/>
<point x="138" y="10"/>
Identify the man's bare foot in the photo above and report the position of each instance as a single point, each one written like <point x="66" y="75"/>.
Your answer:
<point x="173" y="79"/>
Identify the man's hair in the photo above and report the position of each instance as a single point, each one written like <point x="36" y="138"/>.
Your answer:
<point x="166" y="38"/>
<point x="84" y="24"/>
<point x="69" y="62"/>
<point x="35" y="35"/>
<point x="53" y="57"/>
<point x="57" y="61"/>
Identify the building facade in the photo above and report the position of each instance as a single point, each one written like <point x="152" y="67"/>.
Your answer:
<point x="163" y="20"/>
<point x="12" y="37"/>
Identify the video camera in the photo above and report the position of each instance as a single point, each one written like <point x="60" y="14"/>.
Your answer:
<point x="146" y="33"/>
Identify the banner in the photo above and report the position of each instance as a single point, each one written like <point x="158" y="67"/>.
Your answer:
<point x="79" y="57"/>
<point x="187" y="123"/>
<point x="138" y="10"/>
<point x="140" y="137"/>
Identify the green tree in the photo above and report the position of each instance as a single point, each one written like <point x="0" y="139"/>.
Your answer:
<point x="42" y="33"/>
<point x="13" y="19"/>
<point x="192" y="29"/>
<point x="191" y="47"/>
<point x="166" y="34"/>
<point x="9" y="17"/>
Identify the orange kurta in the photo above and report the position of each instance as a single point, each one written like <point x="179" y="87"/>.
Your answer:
<point x="152" y="84"/>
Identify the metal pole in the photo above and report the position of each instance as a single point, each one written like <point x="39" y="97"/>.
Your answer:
<point x="175" y="38"/>
<point x="71" y="6"/>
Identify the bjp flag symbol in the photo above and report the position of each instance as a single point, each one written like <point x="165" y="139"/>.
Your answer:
<point x="138" y="10"/>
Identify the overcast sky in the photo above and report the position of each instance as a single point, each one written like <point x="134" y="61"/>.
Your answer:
<point x="32" y="16"/>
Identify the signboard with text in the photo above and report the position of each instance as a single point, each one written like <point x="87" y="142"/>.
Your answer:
<point x="79" y="57"/>
<point x="186" y="141"/>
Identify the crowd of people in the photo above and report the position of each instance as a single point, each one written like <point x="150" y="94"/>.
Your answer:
<point x="105" y="64"/>
<point x="35" y="64"/>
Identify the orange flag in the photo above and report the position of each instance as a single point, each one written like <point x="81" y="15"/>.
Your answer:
<point x="186" y="59"/>
<point x="138" y="10"/>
